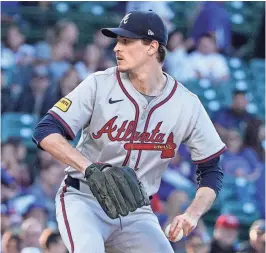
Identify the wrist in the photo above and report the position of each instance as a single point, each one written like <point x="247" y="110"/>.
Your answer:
<point x="193" y="213"/>
<point x="95" y="166"/>
<point x="84" y="167"/>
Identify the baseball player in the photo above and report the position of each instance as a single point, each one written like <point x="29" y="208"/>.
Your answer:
<point x="133" y="118"/>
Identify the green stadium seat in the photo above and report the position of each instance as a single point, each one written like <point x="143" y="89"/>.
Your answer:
<point x="257" y="68"/>
<point x="242" y="16"/>
<point x="19" y="125"/>
<point x="257" y="64"/>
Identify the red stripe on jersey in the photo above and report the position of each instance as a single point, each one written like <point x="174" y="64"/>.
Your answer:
<point x="150" y="113"/>
<point x="212" y="156"/>
<point x="65" y="217"/>
<point x="136" y="115"/>
<point x="66" y="126"/>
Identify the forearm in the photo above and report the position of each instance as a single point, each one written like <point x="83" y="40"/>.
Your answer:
<point x="202" y="202"/>
<point x="57" y="145"/>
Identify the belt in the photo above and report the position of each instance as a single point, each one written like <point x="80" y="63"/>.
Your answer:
<point x="75" y="183"/>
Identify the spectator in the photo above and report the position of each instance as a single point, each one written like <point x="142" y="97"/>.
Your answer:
<point x="31" y="99"/>
<point x="15" y="42"/>
<point x="31" y="230"/>
<point x="44" y="159"/>
<point x="176" y="60"/>
<point x="19" y="80"/>
<point x="63" y="37"/>
<point x="38" y="211"/>
<point x="11" y="243"/>
<point x="213" y="19"/>
<point x="66" y="31"/>
<point x="43" y="48"/>
<point x="90" y="62"/>
<point x="14" y="169"/>
<point x="45" y="187"/>
<point x="43" y="52"/>
<point x="51" y="242"/>
<point x="8" y="166"/>
<point x="206" y="62"/>
<point x="21" y="175"/>
<point x="62" y="54"/>
<point x="235" y="116"/>
<point x="6" y="94"/>
<point x="9" y="155"/>
<point x="68" y="82"/>
<point x="255" y="137"/>
<point x="196" y="243"/>
<point x="17" y="58"/>
<point x="102" y="42"/>
<point x="175" y="187"/>
<point x="225" y="234"/>
<point x="5" y="221"/>
<point x="256" y="243"/>
<point x="7" y="192"/>
<point x="7" y="58"/>
<point x="238" y="160"/>
<point x="16" y="146"/>
<point x="106" y="62"/>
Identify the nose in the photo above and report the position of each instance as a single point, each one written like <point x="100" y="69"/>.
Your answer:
<point x="117" y="47"/>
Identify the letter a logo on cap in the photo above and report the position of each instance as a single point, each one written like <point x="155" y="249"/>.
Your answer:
<point x="125" y="19"/>
<point x="150" y="32"/>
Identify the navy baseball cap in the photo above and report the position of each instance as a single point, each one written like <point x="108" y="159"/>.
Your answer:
<point x="140" y="25"/>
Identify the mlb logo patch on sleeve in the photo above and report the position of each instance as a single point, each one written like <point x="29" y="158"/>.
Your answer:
<point x="63" y="104"/>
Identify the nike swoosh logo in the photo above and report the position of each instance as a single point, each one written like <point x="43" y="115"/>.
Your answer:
<point x="114" y="101"/>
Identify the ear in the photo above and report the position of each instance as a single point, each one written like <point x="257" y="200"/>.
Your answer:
<point x="153" y="47"/>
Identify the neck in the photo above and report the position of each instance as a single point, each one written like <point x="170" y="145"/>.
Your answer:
<point x="149" y="80"/>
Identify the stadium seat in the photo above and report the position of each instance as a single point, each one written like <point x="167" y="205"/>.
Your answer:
<point x="19" y="125"/>
<point x="257" y="69"/>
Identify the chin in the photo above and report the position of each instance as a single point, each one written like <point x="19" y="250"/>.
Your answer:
<point x="122" y="69"/>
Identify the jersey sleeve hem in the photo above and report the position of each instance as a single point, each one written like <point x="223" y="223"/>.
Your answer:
<point x="211" y="157"/>
<point x="65" y="125"/>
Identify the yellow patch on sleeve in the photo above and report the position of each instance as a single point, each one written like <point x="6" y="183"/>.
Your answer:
<point x="63" y="104"/>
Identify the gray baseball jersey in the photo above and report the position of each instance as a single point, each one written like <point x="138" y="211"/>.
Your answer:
<point x="120" y="127"/>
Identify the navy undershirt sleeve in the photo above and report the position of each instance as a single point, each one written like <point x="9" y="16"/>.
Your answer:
<point x="210" y="174"/>
<point x="48" y="125"/>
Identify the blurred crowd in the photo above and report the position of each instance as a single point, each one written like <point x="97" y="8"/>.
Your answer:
<point x="34" y="76"/>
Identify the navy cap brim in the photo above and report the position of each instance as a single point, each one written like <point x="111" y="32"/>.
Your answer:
<point x="114" y="32"/>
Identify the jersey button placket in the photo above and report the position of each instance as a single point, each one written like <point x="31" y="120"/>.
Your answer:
<point x="144" y="112"/>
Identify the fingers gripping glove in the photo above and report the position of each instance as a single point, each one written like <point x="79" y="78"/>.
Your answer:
<point x="117" y="189"/>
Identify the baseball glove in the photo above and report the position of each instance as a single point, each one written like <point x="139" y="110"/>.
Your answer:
<point x="117" y="189"/>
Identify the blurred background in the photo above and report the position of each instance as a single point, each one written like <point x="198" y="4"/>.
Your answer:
<point x="215" y="49"/>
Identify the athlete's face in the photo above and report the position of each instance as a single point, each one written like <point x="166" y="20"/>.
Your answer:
<point x="130" y="53"/>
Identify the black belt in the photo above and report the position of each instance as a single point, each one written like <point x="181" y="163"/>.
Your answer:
<point x="75" y="183"/>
